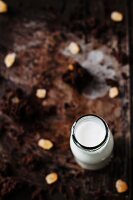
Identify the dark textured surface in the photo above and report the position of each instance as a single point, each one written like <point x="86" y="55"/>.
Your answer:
<point x="38" y="41"/>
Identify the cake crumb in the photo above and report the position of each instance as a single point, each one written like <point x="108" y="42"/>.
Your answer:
<point x="10" y="59"/>
<point x="71" y="67"/>
<point x="3" y="7"/>
<point x="15" y="100"/>
<point x="41" y="93"/>
<point x="116" y="16"/>
<point x="45" y="144"/>
<point x="51" y="178"/>
<point x="121" y="186"/>
<point x="74" y="48"/>
<point x="113" y="92"/>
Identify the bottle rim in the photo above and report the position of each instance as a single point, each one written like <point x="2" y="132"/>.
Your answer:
<point x="94" y="148"/>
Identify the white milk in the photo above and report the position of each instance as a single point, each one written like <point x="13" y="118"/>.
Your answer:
<point x="91" y="142"/>
<point x="90" y="133"/>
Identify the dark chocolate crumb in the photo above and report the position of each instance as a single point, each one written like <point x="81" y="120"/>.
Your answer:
<point x="112" y="82"/>
<point x="78" y="77"/>
<point x="124" y="75"/>
<point x="122" y="57"/>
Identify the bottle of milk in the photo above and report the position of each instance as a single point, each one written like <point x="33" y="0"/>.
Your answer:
<point x="91" y="142"/>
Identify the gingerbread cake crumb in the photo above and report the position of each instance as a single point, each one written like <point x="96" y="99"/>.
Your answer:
<point x="10" y="59"/>
<point x="51" y="178"/>
<point x="3" y="7"/>
<point x="116" y="16"/>
<point x="45" y="144"/>
<point x="113" y="92"/>
<point x="41" y="93"/>
<point x="121" y="186"/>
<point x="74" y="48"/>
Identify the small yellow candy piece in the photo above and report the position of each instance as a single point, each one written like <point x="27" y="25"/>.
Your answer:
<point x="41" y="93"/>
<point x="45" y="144"/>
<point x="10" y="59"/>
<point x="113" y="92"/>
<point x="3" y="7"/>
<point x="51" y="178"/>
<point x="121" y="186"/>
<point x="116" y="16"/>
<point x="71" y="67"/>
<point x="74" y="48"/>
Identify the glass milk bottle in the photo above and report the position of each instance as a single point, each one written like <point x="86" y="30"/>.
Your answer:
<point x="91" y="142"/>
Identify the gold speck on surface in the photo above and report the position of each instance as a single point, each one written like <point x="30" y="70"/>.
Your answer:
<point x="71" y="67"/>
<point x="51" y="178"/>
<point x="45" y="144"/>
<point x="10" y="59"/>
<point x="121" y="186"/>
<point x="113" y="92"/>
<point x="41" y="93"/>
<point x="3" y="7"/>
<point x="116" y="16"/>
<point x="74" y="48"/>
<point x="15" y="100"/>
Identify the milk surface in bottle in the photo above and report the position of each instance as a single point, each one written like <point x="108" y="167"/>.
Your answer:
<point x="91" y="142"/>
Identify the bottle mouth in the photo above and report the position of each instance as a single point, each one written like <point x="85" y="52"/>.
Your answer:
<point x="87" y="147"/>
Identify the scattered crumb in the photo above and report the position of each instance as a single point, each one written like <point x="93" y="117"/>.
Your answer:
<point x="113" y="92"/>
<point x="45" y="144"/>
<point x="74" y="48"/>
<point x="116" y="16"/>
<point x="121" y="186"/>
<point x="3" y="7"/>
<point x="10" y="59"/>
<point x="71" y="67"/>
<point x="15" y="100"/>
<point x="41" y="93"/>
<point x="51" y="178"/>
